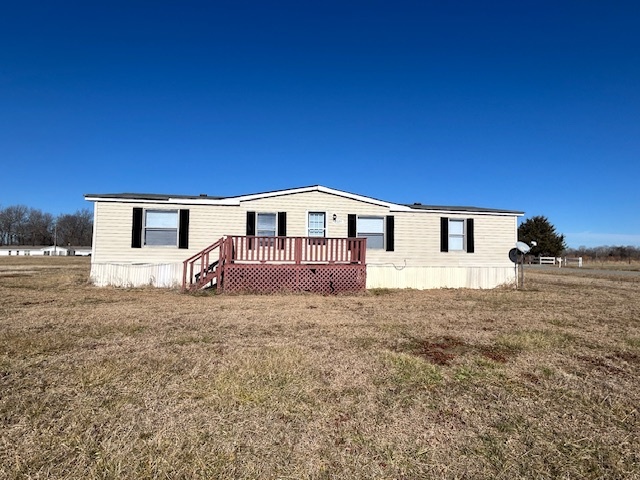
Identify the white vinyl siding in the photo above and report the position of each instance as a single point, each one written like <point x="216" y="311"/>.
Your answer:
<point x="371" y="228"/>
<point x="161" y="228"/>
<point x="417" y="233"/>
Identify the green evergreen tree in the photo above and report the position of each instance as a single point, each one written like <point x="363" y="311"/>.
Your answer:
<point x="539" y="229"/>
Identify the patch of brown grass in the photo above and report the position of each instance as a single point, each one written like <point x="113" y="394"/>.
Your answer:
<point x="146" y="383"/>
<point x="446" y="349"/>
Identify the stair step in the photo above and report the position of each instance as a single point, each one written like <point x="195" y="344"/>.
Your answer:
<point x="211" y="273"/>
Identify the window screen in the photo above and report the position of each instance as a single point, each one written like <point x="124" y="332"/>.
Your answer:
<point x="266" y="225"/>
<point x="161" y="227"/>
<point x="371" y="228"/>
<point x="456" y="234"/>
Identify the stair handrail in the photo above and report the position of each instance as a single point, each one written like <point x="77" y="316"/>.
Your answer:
<point x="202" y="255"/>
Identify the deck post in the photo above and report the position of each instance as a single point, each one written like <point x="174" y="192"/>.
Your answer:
<point x="298" y="250"/>
<point x="184" y="275"/>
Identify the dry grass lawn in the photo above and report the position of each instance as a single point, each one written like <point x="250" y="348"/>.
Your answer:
<point x="147" y="383"/>
<point x="631" y="265"/>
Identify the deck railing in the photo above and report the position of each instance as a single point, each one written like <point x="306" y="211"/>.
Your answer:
<point x="202" y="265"/>
<point x="208" y="265"/>
<point x="296" y="250"/>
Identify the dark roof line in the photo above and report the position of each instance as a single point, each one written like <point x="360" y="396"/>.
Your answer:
<point x="414" y="206"/>
<point x="460" y="208"/>
<point x="151" y="196"/>
<point x="36" y="247"/>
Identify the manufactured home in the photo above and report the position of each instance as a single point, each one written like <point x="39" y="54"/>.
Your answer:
<point x="21" y="250"/>
<point x="307" y="239"/>
<point x="40" y="250"/>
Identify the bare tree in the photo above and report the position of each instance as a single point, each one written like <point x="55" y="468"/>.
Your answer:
<point x="3" y="232"/>
<point x="39" y="228"/>
<point x="13" y="220"/>
<point x="75" y="229"/>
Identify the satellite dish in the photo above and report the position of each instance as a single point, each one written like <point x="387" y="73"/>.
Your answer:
<point x="513" y="255"/>
<point x="523" y="247"/>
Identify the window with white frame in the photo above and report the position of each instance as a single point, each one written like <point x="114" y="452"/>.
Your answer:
<point x="161" y="228"/>
<point x="317" y="224"/>
<point x="371" y="228"/>
<point x="456" y="234"/>
<point x="266" y="225"/>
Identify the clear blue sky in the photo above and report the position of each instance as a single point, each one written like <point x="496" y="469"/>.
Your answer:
<point x="523" y="105"/>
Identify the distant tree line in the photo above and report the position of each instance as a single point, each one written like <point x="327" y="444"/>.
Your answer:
<point x="550" y="243"/>
<point x="22" y="225"/>
<point x="605" y="253"/>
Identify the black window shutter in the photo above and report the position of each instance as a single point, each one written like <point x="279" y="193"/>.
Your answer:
<point x="470" y="241"/>
<point x="352" y="223"/>
<point x="136" y="230"/>
<point x="390" y="233"/>
<point x="282" y="228"/>
<point x="183" y="232"/>
<point x="282" y="224"/>
<point x="351" y="226"/>
<point x="251" y="224"/>
<point x="251" y="228"/>
<point x="444" y="234"/>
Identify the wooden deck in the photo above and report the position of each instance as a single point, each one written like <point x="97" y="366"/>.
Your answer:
<point x="270" y="264"/>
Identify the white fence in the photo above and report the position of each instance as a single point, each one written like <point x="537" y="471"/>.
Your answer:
<point x="547" y="260"/>
<point x="577" y="261"/>
<point x="567" y="261"/>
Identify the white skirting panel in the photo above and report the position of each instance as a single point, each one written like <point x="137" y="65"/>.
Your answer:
<point x="167" y="275"/>
<point x="422" y="278"/>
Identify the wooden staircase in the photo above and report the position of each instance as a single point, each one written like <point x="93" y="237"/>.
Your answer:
<point x="206" y="267"/>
